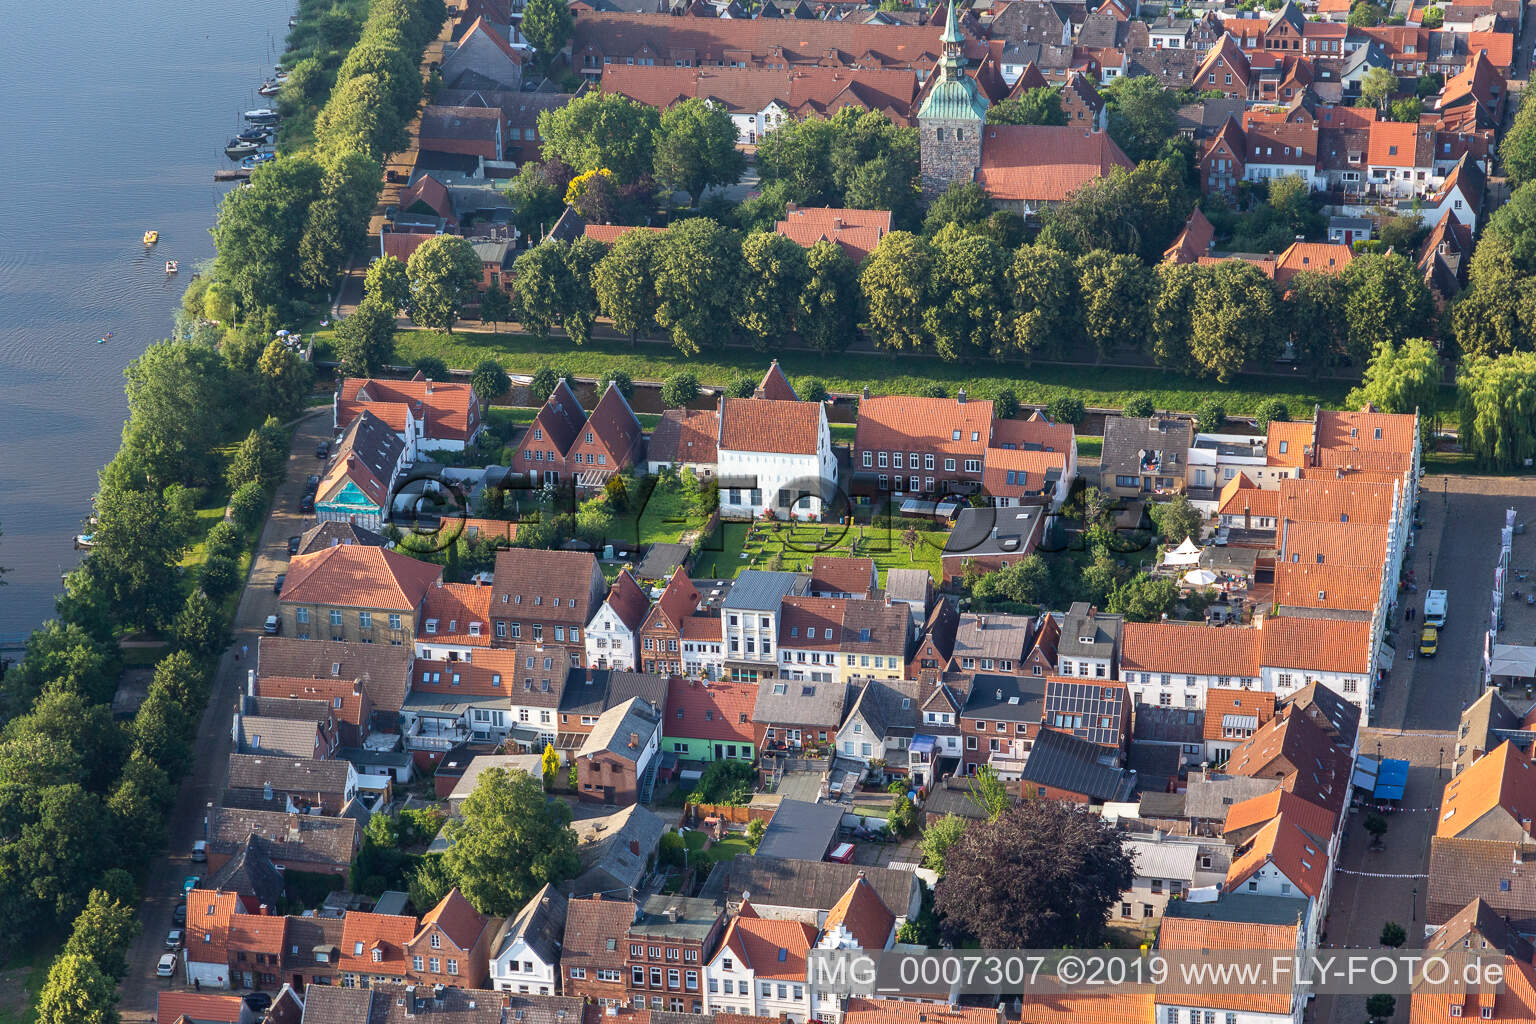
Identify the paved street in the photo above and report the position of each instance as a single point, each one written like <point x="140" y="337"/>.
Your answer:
<point x="1420" y="706"/>
<point x="205" y="784"/>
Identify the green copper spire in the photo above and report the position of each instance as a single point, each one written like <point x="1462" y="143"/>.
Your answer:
<point x="954" y="96"/>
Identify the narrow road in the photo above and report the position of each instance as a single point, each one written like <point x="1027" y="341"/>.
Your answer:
<point x="140" y="988"/>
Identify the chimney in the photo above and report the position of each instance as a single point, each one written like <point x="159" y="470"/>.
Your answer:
<point x="981" y="622"/>
<point x="410" y="1000"/>
<point x="960" y="396"/>
<point x="1092" y="611"/>
<point x="866" y="391"/>
<point x="293" y="828"/>
<point x="250" y="682"/>
<point x="837" y="223"/>
<point x="634" y="740"/>
<point x="634" y="847"/>
<point x="672" y="913"/>
<point x="262" y="911"/>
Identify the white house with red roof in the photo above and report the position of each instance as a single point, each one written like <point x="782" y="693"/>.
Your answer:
<point x="614" y="630"/>
<point x="760" y="968"/>
<point x="774" y="454"/>
<point x="427" y="415"/>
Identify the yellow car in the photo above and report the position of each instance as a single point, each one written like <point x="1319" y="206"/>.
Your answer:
<point x="1429" y="642"/>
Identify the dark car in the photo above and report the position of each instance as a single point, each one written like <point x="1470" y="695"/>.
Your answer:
<point x="258" y="1001"/>
<point x="293" y="544"/>
<point x="323" y="450"/>
<point x="277" y="584"/>
<point x="179" y="915"/>
<point x="312" y="483"/>
<point x="307" y="503"/>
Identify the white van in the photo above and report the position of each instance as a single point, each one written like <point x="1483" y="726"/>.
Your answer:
<point x="1435" y="608"/>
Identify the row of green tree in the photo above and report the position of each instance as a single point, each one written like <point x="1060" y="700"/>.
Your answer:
<point x="283" y="241"/>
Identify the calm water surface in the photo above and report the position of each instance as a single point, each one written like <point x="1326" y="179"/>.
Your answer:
<point x="113" y="121"/>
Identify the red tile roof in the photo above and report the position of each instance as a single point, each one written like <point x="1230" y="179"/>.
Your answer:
<point x="770" y="948"/>
<point x="1502" y="778"/>
<point x="455" y="918"/>
<point x="1499" y="45"/>
<point x="799" y="91"/>
<point x="458" y="607"/>
<point x="685" y="436"/>
<point x="1196" y="934"/>
<point x="677" y="602"/>
<point x="1301" y="855"/>
<point x="449" y="409"/>
<point x="863" y="915"/>
<point x="628" y="601"/>
<point x="1335" y="587"/>
<point x="775" y="385"/>
<point x="909" y="423"/>
<point x="208" y="916"/>
<point x="375" y="943"/>
<point x="842" y="575"/>
<point x="1241" y="496"/>
<point x="1319" y="821"/>
<point x="1393" y="144"/>
<point x="256" y="933"/>
<point x="1044" y="163"/>
<point x="718" y="711"/>
<point x="894" y="1011"/>
<point x="811" y="623"/>
<point x="1515" y="1002"/>
<point x="1189" y="649"/>
<point x="1109" y="1007"/>
<point x="1220" y="702"/>
<point x="857" y="231"/>
<point x="197" y="1006"/>
<point x="354" y="576"/>
<point x="770" y="425"/>
<point x="1321" y="645"/>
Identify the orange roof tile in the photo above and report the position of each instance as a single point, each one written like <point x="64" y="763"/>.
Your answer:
<point x="1044" y="163"/>
<point x="862" y="913"/>
<point x="208" y="916"/>
<point x="1196" y="934"/>
<point x="1220" y="701"/>
<point x="1357" y="545"/>
<point x="771" y="948"/>
<point x="1503" y="777"/>
<point x="450" y="410"/>
<point x="1241" y="496"/>
<point x="197" y="1006"/>
<point x="857" y="231"/>
<point x="628" y="601"/>
<point x="354" y="576"/>
<point x="610" y="233"/>
<point x="462" y="611"/>
<point x="1109" y="1007"/>
<point x="901" y="423"/>
<point x="1189" y="649"/>
<point x="255" y="933"/>
<point x="842" y="575"/>
<point x="770" y="425"/>
<point x="375" y="943"/>
<point x="1335" y="587"/>
<point x="1319" y="500"/>
<point x="710" y="711"/>
<point x="1515" y="1003"/>
<point x="1298" y="853"/>
<point x="811" y="623"/>
<point x="894" y="1011"/>
<point x="1365" y="431"/>
<point x="456" y="919"/>
<point x="1500" y="47"/>
<point x="1288" y="442"/>
<point x="1318" y="821"/>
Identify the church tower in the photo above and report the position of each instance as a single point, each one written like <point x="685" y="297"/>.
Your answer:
<point x="950" y="121"/>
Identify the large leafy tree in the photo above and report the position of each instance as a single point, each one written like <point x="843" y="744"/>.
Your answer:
<point x="1517" y="150"/>
<point x="1400" y="378"/>
<point x="1387" y="301"/>
<point x="602" y="130"/>
<point x="829" y="303"/>
<point x="1140" y="115"/>
<point x="1143" y="598"/>
<point x="1312" y="319"/>
<point x="1232" y="314"/>
<point x="1041" y="876"/>
<point x="102" y="933"/>
<point x="1173" y="296"/>
<point x="365" y="340"/>
<point x="179" y="405"/>
<point x="964" y="203"/>
<point x="538" y="194"/>
<point x="547" y="24"/>
<point x="1496" y="399"/>
<point x="338" y="221"/>
<point x="77" y="992"/>
<point x="624" y="282"/>
<point x="61" y="655"/>
<point x="938" y="839"/>
<point x="895" y="281"/>
<point x="1176" y="518"/>
<point x="697" y="275"/>
<point x="542" y="281"/>
<point x="1114" y="299"/>
<point x="696" y="148"/>
<point x="258" y="231"/>
<point x="967" y="310"/>
<point x="509" y="841"/>
<point x="388" y="282"/>
<point x="1043" y="287"/>
<point x="1040" y="105"/>
<point x="774" y="274"/>
<point x="1136" y="211"/>
<point x="140" y="538"/>
<point x="361" y="117"/>
<point x="795" y="159"/>
<point x="1497" y="314"/>
<point x="579" y="311"/>
<point x="444" y="272"/>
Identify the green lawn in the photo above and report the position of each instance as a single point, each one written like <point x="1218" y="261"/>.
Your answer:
<point x="797" y="544"/>
<point x="664" y="519"/>
<point x="1090" y="447"/>
<point x="842" y="433"/>
<point x="904" y="374"/>
<point x="729" y="848"/>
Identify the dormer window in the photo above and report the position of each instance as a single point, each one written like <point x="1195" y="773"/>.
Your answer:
<point x="378" y="956"/>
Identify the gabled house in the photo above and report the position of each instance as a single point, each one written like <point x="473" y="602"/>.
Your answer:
<point x="1251" y="923"/>
<point x="313" y="843"/>
<point x="940" y="442"/>
<point x="1029" y="168"/>
<point x="759" y="967"/>
<point x="427" y="415"/>
<point x="810" y="639"/>
<point x="1029" y="462"/>
<point x="1061" y="766"/>
<point x="590" y="692"/>
<point x="709" y="721"/>
<point x="373" y="949"/>
<point x="359" y="483"/>
<point x="525" y="955"/>
<point x="750" y="614"/>
<point x="482" y="59"/>
<point x="1225" y="69"/>
<point x="774" y="454"/>
<point x="935" y="644"/>
<point x="1143" y="458"/>
<point x="289" y="784"/>
<point x="999" y="721"/>
<point x="684" y="439"/>
<point x="1446" y="257"/>
<point x="356" y="594"/>
<point x="661" y="634"/>
<point x="450" y="947"/>
<point x="856" y="231"/>
<point x="364" y="684"/>
<point x="1223" y="164"/>
<point x="880" y="725"/>
<point x="613" y="633"/>
<point x="794" y="715"/>
<point x="613" y="763"/>
<point x="1090" y="643"/>
<point x="1494" y="798"/>
<point x="858" y="920"/>
<point x="591" y="958"/>
<point x="564" y="445"/>
<point x="545" y="597"/>
<point x="833" y="576"/>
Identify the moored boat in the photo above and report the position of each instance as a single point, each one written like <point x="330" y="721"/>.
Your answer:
<point x="151" y="236"/>
<point x="271" y="87"/>
<point x="238" y="147"/>
<point x="171" y="266"/>
<point x="256" y="160"/>
<point x="261" y="115"/>
<point x="256" y="133"/>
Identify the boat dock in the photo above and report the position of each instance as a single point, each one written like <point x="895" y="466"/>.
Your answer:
<point x="232" y="174"/>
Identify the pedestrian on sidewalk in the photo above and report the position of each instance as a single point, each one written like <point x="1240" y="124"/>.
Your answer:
<point x="244" y="650"/>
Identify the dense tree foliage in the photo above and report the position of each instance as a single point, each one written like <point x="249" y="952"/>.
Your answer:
<point x="1040" y="105"/>
<point x="509" y="841"/>
<point x="696" y="148"/>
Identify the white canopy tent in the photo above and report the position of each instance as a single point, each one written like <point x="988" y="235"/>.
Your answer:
<point x="1187" y="553"/>
<point x="1514" y="661"/>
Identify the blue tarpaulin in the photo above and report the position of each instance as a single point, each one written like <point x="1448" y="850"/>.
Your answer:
<point x="1391" y="779"/>
<point x="922" y="745"/>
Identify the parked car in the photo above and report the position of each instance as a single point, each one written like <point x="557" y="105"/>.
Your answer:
<point x="258" y="1001"/>
<point x="189" y="883"/>
<point x="173" y="938"/>
<point x="293" y="544"/>
<point x="167" y="965"/>
<point x="311" y="483"/>
<point x="200" y="851"/>
<point x="277" y="584"/>
<point x="307" y="503"/>
<point x="1429" y="642"/>
<point x="272" y="626"/>
<point x="323" y="450"/>
<point x="179" y="915"/>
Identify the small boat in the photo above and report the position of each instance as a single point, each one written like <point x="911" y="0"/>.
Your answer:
<point x="254" y="161"/>
<point x="151" y="236"/>
<point x="261" y="115"/>
<point x="85" y="541"/>
<point x="104" y="338"/>
<point x="256" y="133"/>
<point x="279" y="75"/>
<point x="171" y="266"/>
<point x="240" y="147"/>
<point x="271" y="87"/>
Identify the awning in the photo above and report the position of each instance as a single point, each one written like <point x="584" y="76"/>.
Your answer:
<point x="922" y="745"/>
<point x="1391" y="779"/>
<point x="1514" y="660"/>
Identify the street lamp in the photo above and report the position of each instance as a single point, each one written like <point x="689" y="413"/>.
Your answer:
<point x="1415" y="910"/>
<point x="1440" y="763"/>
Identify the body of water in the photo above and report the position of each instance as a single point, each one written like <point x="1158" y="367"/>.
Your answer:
<point x="114" y="121"/>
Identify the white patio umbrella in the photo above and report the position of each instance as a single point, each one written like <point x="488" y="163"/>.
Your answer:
<point x="1200" y="577"/>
